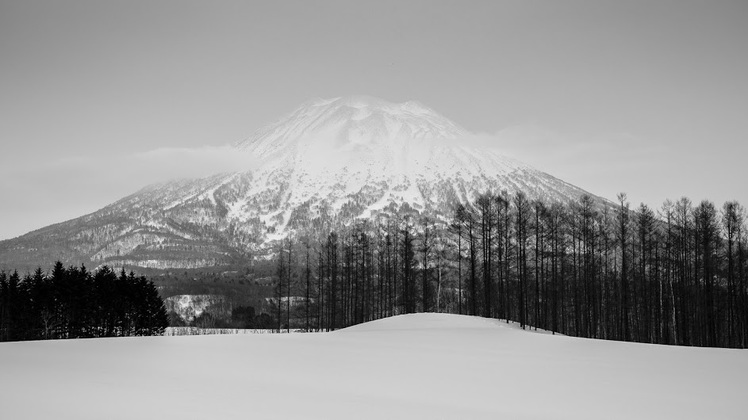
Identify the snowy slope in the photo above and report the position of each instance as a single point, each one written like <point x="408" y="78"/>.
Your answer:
<point x="425" y="366"/>
<point x="372" y="153"/>
<point x="329" y="161"/>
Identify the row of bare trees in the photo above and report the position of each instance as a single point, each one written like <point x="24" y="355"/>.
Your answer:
<point x="676" y="275"/>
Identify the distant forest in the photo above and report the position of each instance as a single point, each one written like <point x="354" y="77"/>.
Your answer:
<point x="75" y="303"/>
<point x="587" y="268"/>
<point x="676" y="275"/>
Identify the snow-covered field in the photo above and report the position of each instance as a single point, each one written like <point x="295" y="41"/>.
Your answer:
<point x="426" y="366"/>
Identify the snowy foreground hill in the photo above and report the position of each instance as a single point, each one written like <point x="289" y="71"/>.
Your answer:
<point x="425" y="366"/>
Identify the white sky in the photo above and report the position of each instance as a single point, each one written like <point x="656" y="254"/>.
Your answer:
<point x="100" y="98"/>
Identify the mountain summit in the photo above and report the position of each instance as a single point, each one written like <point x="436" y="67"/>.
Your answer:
<point x="356" y="121"/>
<point x="329" y="161"/>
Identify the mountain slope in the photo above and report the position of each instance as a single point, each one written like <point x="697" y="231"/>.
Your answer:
<point x="328" y="161"/>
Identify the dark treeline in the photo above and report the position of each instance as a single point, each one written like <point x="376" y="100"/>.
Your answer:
<point x="74" y="303"/>
<point x="676" y="275"/>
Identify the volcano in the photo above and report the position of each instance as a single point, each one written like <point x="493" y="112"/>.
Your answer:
<point x="330" y="161"/>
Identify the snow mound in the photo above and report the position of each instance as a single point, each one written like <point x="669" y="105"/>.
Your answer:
<point x="428" y="321"/>
<point x="425" y="366"/>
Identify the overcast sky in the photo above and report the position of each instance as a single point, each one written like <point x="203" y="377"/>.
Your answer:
<point x="99" y="98"/>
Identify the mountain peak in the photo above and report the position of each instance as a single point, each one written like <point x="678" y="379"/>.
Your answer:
<point x="350" y="120"/>
<point x="362" y="101"/>
<point x="371" y="103"/>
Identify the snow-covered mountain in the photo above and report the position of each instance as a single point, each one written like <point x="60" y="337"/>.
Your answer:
<point x="369" y="154"/>
<point x="330" y="160"/>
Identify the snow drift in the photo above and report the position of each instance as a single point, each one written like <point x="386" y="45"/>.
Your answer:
<point x="421" y="366"/>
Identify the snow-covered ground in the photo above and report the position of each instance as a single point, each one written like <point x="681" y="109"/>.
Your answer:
<point x="426" y="366"/>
